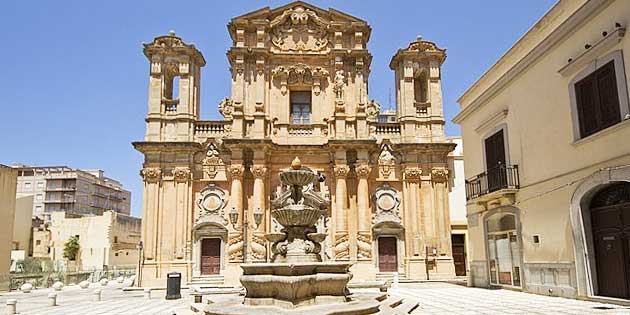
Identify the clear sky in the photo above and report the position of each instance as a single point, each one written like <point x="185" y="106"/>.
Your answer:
<point x="73" y="79"/>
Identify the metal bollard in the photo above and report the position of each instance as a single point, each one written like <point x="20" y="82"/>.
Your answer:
<point x="52" y="299"/>
<point x="147" y="293"/>
<point x="395" y="282"/>
<point x="11" y="306"/>
<point x="96" y="297"/>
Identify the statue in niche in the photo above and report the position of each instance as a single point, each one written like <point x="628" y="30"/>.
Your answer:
<point x="373" y="110"/>
<point x="339" y="84"/>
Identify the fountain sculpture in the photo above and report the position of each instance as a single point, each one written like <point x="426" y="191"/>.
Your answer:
<point x="297" y="276"/>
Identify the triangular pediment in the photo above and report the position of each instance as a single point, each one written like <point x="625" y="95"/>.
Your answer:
<point x="269" y="14"/>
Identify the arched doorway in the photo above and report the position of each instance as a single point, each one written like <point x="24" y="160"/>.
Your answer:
<point x="504" y="248"/>
<point x="610" y="228"/>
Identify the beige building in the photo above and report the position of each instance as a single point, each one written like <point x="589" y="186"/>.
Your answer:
<point x="22" y="225"/>
<point x="299" y="78"/>
<point x="105" y="241"/>
<point x="60" y="188"/>
<point x="457" y="206"/>
<point x="546" y="133"/>
<point x="8" y="184"/>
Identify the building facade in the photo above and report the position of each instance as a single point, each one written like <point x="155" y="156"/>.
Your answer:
<point x="60" y="188"/>
<point x="105" y="241"/>
<point x="299" y="79"/>
<point x="457" y="207"/>
<point x="8" y="186"/>
<point x="547" y="158"/>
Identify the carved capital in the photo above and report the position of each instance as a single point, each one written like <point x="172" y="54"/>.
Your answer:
<point x="151" y="174"/>
<point x="236" y="171"/>
<point x="412" y="173"/>
<point x="341" y="170"/>
<point x="259" y="171"/>
<point x="181" y="174"/>
<point x="363" y="170"/>
<point x="439" y="174"/>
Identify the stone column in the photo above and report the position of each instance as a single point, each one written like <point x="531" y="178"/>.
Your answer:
<point x="342" y="251"/>
<point x="235" y="242"/>
<point x="364" y="237"/>
<point x="182" y="178"/>
<point x="258" y="243"/>
<point x="151" y="177"/>
<point x="439" y="177"/>
<point x="412" y="181"/>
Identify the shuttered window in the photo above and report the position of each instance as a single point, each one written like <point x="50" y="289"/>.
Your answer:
<point x="597" y="100"/>
<point x="495" y="162"/>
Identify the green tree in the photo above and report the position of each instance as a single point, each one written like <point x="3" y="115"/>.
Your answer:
<point x="71" y="248"/>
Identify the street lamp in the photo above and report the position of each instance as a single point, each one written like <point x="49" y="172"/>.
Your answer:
<point x="233" y="215"/>
<point x="139" y="247"/>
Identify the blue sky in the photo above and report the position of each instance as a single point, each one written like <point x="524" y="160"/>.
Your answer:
<point x="73" y="83"/>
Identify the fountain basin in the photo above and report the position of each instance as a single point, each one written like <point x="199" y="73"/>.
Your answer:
<point x="292" y="285"/>
<point x="296" y="215"/>
<point x="298" y="177"/>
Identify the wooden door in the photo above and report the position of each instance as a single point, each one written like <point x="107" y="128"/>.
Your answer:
<point x="459" y="254"/>
<point x="387" y="254"/>
<point x="495" y="161"/>
<point x="210" y="256"/>
<point x="610" y="223"/>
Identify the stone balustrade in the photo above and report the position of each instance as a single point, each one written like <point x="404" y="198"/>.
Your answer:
<point x="205" y="128"/>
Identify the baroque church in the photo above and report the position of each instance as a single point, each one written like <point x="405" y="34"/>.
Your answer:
<point x="299" y="88"/>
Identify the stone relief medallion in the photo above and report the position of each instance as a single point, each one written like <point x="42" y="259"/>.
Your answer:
<point x="212" y="201"/>
<point x="387" y="205"/>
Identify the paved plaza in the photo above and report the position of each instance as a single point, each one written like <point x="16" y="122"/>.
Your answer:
<point x="434" y="298"/>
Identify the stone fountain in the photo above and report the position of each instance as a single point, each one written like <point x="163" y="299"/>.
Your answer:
<point x="296" y="281"/>
<point x="297" y="276"/>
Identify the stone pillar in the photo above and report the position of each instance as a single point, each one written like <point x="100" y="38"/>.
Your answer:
<point x="182" y="177"/>
<point x="439" y="177"/>
<point x="416" y="268"/>
<point x="151" y="177"/>
<point x="342" y="250"/>
<point x="235" y="242"/>
<point x="364" y="237"/>
<point x="258" y="243"/>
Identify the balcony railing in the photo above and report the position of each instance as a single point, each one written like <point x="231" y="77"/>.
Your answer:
<point x="496" y="178"/>
<point x="210" y="128"/>
<point x="387" y="129"/>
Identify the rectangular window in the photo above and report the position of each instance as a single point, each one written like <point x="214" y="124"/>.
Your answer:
<point x="27" y="186"/>
<point x="597" y="100"/>
<point x="495" y="161"/>
<point x="39" y="197"/>
<point x="40" y="184"/>
<point x="300" y="107"/>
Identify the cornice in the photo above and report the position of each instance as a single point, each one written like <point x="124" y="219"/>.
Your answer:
<point x="568" y="26"/>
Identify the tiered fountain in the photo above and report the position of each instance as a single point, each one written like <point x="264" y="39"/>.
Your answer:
<point x="297" y="281"/>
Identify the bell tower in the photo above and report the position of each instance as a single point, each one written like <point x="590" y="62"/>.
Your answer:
<point x="175" y="74"/>
<point x="419" y="91"/>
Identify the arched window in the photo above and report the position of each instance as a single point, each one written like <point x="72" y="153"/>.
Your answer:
<point x="503" y="249"/>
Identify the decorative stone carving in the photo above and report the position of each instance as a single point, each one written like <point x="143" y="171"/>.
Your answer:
<point x="226" y="108"/>
<point x="373" y="110"/>
<point x="386" y="162"/>
<point x="212" y="201"/>
<point x="413" y="173"/>
<point x="151" y="174"/>
<point x="259" y="171"/>
<point x="171" y="44"/>
<point x="299" y="30"/>
<point x="387" y="204"/>
<point x="259" y="247"/>
<point x="236" y="170"/>
<point x="235" y="247"/>
<point x="342" y="246"/>
<point x="363" y="170"/>
<point x="181" y="174"/>
<point x="439" y="174"/>
<point x="364" y="245"/>
<point x="341" y="170"/>
<point x="339" y="83"/>
<point x="212" y="163"/>
<point x="300" y="73"/>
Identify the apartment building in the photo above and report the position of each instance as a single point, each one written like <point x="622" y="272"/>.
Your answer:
<point x="61" y="188"/>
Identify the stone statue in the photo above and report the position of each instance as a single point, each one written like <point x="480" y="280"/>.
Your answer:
<point x="339" y="84"/>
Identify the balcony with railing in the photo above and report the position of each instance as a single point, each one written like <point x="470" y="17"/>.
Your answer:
<point x="210" y="129"/>
<point x="387" y="129"/>
<point x="502" y="178"/>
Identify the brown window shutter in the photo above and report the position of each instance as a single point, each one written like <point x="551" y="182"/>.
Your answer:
<point x="608" y="97"/>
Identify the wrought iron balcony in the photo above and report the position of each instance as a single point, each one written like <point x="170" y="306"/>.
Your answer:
<point x="494" y="179"/>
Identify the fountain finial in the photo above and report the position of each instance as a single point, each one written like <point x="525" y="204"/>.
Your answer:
<point x="296" y="164"/>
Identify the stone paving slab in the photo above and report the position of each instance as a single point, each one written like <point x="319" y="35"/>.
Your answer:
<point x="434" y="298"/>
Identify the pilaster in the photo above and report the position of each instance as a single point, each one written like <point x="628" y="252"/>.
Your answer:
<point x="342" y="246"/>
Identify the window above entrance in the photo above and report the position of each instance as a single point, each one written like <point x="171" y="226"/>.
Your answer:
<point x="300" y="107"/>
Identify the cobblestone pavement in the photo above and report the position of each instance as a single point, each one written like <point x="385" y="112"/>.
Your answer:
<point x="434" y="298"/>
<point x="444" y="298"/>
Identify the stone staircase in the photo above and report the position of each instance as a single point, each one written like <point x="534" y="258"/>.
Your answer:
<point x="389" y="276"/>
<point x="208" y="281"/>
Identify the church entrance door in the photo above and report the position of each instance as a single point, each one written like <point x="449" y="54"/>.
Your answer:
<point x="387" y="254"/>
<point x="210" y="256"/>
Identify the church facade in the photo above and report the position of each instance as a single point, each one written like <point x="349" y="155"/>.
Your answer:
<point x="299" y="79"/>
